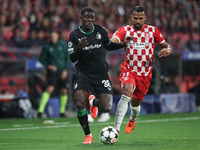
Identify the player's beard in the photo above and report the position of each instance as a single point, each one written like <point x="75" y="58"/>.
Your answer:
<point x="137" y="27"/>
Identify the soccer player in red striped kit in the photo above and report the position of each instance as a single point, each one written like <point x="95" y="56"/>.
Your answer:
<point x="136" y="70"/>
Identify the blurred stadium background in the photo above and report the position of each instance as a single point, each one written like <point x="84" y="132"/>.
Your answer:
<point x="24" y="26"/>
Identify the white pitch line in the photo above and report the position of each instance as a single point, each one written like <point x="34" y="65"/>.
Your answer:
<point x="171" y="119"/>
<point x="28" y="125"/>
<point x="57" y="123"/>
<point x="22" y="125"/>
<point x="105" y="123"/>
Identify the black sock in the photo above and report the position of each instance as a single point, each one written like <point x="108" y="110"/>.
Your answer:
<point x="96" y="102"/>
<point x="83" y="120"/>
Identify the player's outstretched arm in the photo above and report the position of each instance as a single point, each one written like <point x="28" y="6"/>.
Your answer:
<point x="165" y="51"/>
<point x="115" y="40"/>
<point x="115" y="44"/>
<point x="126" y="41"/>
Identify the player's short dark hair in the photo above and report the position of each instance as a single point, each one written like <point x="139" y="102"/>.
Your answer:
<point x="138" y="9"/>
<point x="86" y="9"/>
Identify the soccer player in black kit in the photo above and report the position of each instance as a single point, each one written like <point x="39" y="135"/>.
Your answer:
<point x="87" y="46"/>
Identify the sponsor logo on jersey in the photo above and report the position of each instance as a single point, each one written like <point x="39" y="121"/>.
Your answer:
<point x="138" y="45"/>
<point x="147" y="35"/>
<point x="92" y="47"/>
<point x="98" y="36"/>
<point x="80" y="39"/>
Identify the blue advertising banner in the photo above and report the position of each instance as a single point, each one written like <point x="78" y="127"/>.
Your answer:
<point x="149" y="105"/>
<point x="190" y="56"/>
<point x="163" y="103"/>
<point x="34" y="65"/>
<point x="176" y="103"/>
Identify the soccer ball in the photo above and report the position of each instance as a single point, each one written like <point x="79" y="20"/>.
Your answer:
<point x="108" y="135"/>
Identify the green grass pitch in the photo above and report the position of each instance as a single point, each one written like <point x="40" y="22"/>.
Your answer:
<point x="152" y="132"/>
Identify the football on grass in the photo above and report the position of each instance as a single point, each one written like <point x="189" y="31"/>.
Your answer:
<point x="108" y="135"/>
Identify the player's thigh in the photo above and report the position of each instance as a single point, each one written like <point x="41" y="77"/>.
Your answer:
<point x="128" y="89"/>
<point x="81" y="91"/>
<point x="105" y="101"/>
<point x="81" y="83"/>
<point x="141" y="89"/>
<point x="80" y="98"/>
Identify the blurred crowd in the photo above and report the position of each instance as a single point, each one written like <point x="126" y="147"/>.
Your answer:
<point x="25" y="23"/>
<point x="25" y="26"/>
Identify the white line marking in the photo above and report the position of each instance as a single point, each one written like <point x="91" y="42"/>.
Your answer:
<point x="105" y="123"/>
<point x="57" y="123"/>
<point x="22" y="125"/>
<point x="28" y="125"/>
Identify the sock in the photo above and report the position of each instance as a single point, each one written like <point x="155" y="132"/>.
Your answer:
<point x="83" y="120"/>
<point x="44" y="99"/>
<point x="134" y="112"/>
<point x="63" y="103"/>
<point x="122" y="108"/>
<point x="94" y="102"/>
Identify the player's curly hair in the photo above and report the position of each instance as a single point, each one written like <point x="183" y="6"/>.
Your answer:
<point x="138" y="9"/>
<point x="86" y="9"/>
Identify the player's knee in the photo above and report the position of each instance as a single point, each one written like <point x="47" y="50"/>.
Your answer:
<point x="105" y="103"/>
<point x="127" y="92"/>
<point x="80" y="105"/>
<point x="107" y="107"/>
<point x="135" y="102"/>
<point x="125" y="98"/>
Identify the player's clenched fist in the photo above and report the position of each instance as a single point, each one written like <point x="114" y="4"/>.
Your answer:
<point x="82" y="43"/>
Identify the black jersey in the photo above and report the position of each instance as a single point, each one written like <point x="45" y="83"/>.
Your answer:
<point x="91" y="59"/>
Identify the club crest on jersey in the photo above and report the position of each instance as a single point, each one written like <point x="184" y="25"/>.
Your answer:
<point x="98" y="36"/>
<point x="147" y="35"/>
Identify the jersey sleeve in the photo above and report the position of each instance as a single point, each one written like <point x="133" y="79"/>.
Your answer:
<point x="73" y="47"/>
<point x="72" y="44"/>
<point x="106" y="39"/>
<point x="158" y="36"/>
<point x="120" y="34"/>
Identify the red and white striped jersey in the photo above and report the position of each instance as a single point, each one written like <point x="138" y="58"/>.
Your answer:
<point x="139" y="52"/>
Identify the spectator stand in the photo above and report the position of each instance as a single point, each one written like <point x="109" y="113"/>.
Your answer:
<point x="13" y="75"/>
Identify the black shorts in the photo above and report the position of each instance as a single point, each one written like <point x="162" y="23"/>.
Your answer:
<point x="55" y="80"/>
<point x="99" y="83"/>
